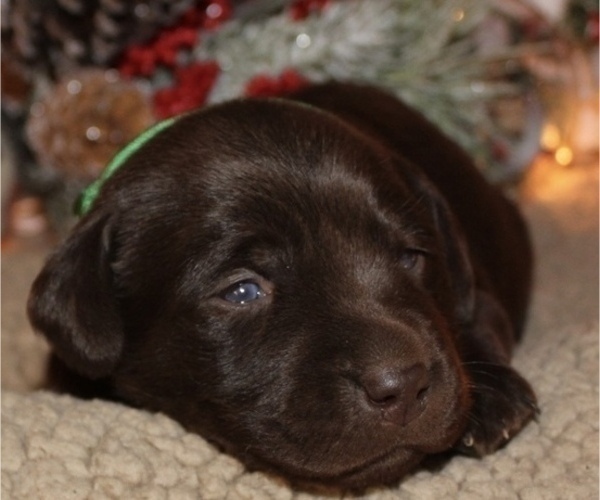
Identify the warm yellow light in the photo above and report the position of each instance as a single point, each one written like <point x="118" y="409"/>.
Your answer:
<point x="563" y="156"/>
<point x="550" y="139"/>
<point x="459" y="15"/>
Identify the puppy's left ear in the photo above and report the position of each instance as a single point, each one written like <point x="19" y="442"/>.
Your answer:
<point x="72" y="301"/>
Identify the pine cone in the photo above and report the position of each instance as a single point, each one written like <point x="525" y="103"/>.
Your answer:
<point x="84" y="120"/>
<point x="57" y="36"/>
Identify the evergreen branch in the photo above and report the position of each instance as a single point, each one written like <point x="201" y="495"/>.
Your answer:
<point x="423" y="51"/>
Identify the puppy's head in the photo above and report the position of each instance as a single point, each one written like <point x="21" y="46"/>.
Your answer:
<point x="277" y="282"/>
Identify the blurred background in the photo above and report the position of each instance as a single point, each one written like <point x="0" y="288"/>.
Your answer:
<point x="515" y="82"/>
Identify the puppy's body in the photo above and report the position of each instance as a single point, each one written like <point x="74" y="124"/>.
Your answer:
<point x="328" y="291"/>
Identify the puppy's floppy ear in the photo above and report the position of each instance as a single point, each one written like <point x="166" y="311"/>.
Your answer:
<point x="72" y="301"/>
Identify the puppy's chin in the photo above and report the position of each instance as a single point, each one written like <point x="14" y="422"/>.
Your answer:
<point x="379" y="471"/>
<point x="385" y="469"/>
<point x="379" y="456"/>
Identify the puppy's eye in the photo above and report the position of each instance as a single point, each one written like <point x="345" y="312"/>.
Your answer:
<point x="244" y="292"/>
<point x="412" y="258"/>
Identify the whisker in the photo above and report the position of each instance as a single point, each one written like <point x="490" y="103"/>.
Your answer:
<point x="487" y="374"/>
<point x="482" y="389"/>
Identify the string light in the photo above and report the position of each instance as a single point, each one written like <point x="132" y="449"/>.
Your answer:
<point x="459" y="15"/>
<point x="564" y="156"/>
<point x="550" y="140"/>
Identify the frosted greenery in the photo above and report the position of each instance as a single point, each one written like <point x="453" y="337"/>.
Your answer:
<point x="425" y="51"/>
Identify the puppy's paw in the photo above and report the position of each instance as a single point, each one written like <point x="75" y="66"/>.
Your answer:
<point x="503" y="403"/>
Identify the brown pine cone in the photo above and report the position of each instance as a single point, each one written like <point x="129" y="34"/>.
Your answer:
<point x="57" y="36"/>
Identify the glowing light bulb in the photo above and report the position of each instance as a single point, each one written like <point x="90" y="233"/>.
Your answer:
<point x="563" y="156"/>
<point x="459" y="15"/>
<point x="550" y="139"/>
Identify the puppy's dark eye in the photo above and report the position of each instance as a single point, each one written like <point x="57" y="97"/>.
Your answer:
<point x="412" y="258"/>
<point x="244" y="292"/>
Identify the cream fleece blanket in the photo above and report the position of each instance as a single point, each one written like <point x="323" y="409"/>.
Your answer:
<point x="57" y="447"/>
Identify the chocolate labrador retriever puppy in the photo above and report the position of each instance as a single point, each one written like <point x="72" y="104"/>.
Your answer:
<point x="324" y="286"/>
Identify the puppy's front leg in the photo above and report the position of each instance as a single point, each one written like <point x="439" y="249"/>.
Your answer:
<point x="503" y="401"/>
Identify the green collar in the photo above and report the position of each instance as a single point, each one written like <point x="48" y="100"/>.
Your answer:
<point x="89" y="195"/>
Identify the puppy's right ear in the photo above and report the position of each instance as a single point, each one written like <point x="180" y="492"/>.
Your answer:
<point x="72" y="301"/>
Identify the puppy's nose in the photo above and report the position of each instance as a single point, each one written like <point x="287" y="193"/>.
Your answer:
<point x="400" y="393"/>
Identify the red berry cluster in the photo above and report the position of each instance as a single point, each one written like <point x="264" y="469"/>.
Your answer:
<point x="592" y="27"/>
<point x="267" y="86"/>
<point x="162" y="50"/>
<point x="301" y="9"/>
<point x="193" y="83"/>
<point x="142" y="60"/>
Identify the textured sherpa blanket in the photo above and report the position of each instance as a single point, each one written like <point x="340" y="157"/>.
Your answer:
<point x="58" y="447"/>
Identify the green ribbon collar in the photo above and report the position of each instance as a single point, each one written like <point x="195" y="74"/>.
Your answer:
<point x="89" y="194"/>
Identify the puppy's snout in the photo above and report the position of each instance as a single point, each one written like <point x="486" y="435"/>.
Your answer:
<point x="399" y="393"/>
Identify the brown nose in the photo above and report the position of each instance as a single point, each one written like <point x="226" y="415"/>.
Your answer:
<point x="399" y="393"/>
